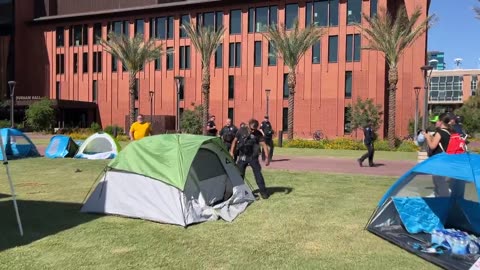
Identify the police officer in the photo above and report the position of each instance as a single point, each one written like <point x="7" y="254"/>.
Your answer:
<point x="211" y="127"/>
<point x="369" y="137"/>
<point x="249" y="142"/>
<point x="228" y="133"/>
<point x="267" y="131"/>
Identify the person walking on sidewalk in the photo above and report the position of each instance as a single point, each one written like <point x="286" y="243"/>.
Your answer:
<point x="369" y="137"/>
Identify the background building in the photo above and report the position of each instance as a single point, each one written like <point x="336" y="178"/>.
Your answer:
<point x="61" y="58"/>
<point x="437" y="60"/>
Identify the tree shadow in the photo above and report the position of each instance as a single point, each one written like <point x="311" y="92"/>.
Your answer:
<point x="273" y="190"/>
<point x="2" y="196"/>
<point x="40" y="219"/>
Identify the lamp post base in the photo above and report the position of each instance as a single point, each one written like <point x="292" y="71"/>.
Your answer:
<point x="422" y="156"/>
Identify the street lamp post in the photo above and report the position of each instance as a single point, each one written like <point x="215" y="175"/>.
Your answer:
<point x="267" y="95"/>
<point x="151" y="93"/>
<point x="12" y="84"/>
<point x="178" y="83"/>
<point x="415" y="129"/>
<point x="427" y="74"/>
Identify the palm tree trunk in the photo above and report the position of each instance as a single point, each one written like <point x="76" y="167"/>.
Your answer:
<point x="206" y="96"/>
<point x="392" y="81"/>
<point x="131" y="89"/>
<point x="292" y="81"/>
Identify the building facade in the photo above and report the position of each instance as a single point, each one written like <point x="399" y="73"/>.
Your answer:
<point x="437" y="60"/>
<point x="449" y="89"/>
<point x="70" y="65"/>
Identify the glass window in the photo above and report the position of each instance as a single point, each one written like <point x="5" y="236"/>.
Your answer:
<point x="285" y="119"/>
<point x="231" y="114"/>
<point x="77" y="35"/>
<point x="114" y="64"/>
<point x="316" y="53"/>
<point x="308" y="13"/>
<point x="139" y="27"/>
<point x="354" y="11"/>
<point x="291" y="15"/>
<point x="117" y="27"/>
<point x="184" y="20"/>
<point x="170" y="58"/>
<point x="261" y="19"/>
<point x="219" y="56"/>
<point x="285" y="86"/>
<point x="60" y="64"/>
<point x="272" y="55"/>
<point x="184" y="57"/>
<point x="161" y="29"/>
<point x="57" y="90"/>
<point x="60" y="32"/>
<point x="348" y="84"/>
<point x="349" y="48"/>
<point x="136" y="90"/>
<point x="126" y="28"/>
<point x="357" y="46"/>
<point x="97" y="33"/>
<point x="218" y="20"/>
<point x="85" y="35"/>
<point x="333" y="13"/>
<point x="158" y="64"/>
<point x="94" y="90"/>
<point x="347" y="126"/>
<point x="170" y="28"/>
<point x="75" y="63"/>
<point x="332" y="49"/>
<point x="373" y="7"/>
<point x="181" y="90"/>
<point x="231" y="87"/>
<point x="234" y="54"/>
<point x="273" y="15"/>
<point x="85" y="62"/>
<point x="97" y="62"/>
<point x="208" y="19"/>
<point x="257" y="54"/>
<point x="235" y="21"/>
<point x="317" y="13"/>
<point x="251" y="20"/>
<point x="238" y="54"/>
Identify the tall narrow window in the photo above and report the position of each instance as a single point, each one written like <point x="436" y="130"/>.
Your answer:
<point x="60" y="64"/>
<point x="317" y="13"/>
<point x="272" y="55"/>
<point x="76" y="35"/>
<point x="158" y="64"/>
<point x="170" y="27"/>
<point x="97" y="62"/>
<point x="139" y="27"/>
<point x="207" y="19"/>
<point x="75" y="63"/>
<point x="353" y="48"/>
<point x="219" y="56"/>
<point x="260" y="18"/>
<point x="230" y="114"/>
<point x="97" y="33"/>
<point x="169" y="59"/>
<point x="94" y="90"/>
<point x="309" y="14"/>
<point x="347" y="120"/>
<point x="333" y="49"/>
<point x="348" y="84"/>
<point x="184" y="57"/>
<point x="85" y="62"/>
<point x="85" y="35"/>
<point x="333" y="13"/>
<point x="231" y="87"/>
<point x="136" y="88"/>
<point x="114" y="64"/>
<point x="153" y="28"/>
<point x="234" y="54"/>
<point x="126" y="28"/>
<point x="60" y="33"/>
<point x="354" y="11"/>
<point x="349" y="49"/>
<point x="184" y="20"/>
<point x="357" y="46"/>
<point x="235" y="21"/>
<point x="218" y="20"/>
<point x="285" y="86"/>
<point x="273" y="15"/>
<point x="316" y="53"/>
<point x="373" y="8"/>
<point x="181" y="90"/>
<point x="291" y="15"/>
<point x="285" y="119"/>
<point x="251" y="20"/>
<point x="161" y="29"/>
<point x="257" y="54"/>
<point x="57" y="90"/>
<point x="117" y="27"/>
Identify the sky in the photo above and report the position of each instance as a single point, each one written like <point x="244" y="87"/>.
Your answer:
<point x="456" y="32"/>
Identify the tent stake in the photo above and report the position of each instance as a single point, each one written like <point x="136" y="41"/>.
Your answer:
<point x="12" y="189"/>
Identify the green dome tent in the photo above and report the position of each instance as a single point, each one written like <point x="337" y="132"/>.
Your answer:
<point x="176" y="179"/>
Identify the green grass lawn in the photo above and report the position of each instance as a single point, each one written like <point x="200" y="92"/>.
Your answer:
<point x="317" y="225"/>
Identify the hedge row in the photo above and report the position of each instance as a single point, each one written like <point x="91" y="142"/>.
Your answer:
<point x="348" y="144"/>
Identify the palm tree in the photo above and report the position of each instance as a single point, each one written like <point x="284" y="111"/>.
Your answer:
<point x="291" y="45"/>
<point x="391" y="36"/>
<point x="134" y="53"/>
<point x="206" y="41"/>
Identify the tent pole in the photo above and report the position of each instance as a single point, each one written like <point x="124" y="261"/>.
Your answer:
<point x="12" y="189"/>
<point x="371" y="218"/>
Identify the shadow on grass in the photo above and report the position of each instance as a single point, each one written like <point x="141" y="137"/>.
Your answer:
<point x="40" y="219"/>
<point x="273" y="190"/>
<point x="4" y="196"/>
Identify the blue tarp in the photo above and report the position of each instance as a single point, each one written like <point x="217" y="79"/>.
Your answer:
<point x="17" y="144"/>
<point x="61" y="146"/>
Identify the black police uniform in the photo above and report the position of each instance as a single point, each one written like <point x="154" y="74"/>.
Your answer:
<point x="228" y="134"/>
<point x="368" y="141"/>
<point x="248" y="148"/>
<point x="266" y="125"/>
<point x="211" y="132"/>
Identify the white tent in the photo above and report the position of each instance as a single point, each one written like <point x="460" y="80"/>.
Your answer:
<point x="98" y="146"/>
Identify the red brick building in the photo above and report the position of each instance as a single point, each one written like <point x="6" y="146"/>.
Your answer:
<point x="57" y="55"/>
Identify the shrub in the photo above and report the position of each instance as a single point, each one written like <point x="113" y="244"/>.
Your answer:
<point x="364" y="111"/>
<point x="382" y="145"/>
<point x="192" y="120"/>
<point x="298" y="143"/>
<point x="471" y="113"/>
<point x="407" y="146"/>
<point x="348" y="144"/>
<point x="344" y="144"/>
<point x="79" y="136"/>
<point x="40" y="115"/>
<point x="4" y="123"/>
<point x="123" y="138"/>
<point x="95" y="127"/>
<point x="110" y="129"/>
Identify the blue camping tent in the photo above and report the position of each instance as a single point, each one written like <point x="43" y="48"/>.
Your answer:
<point x="441" y="192"/>
<point x="61" y="146"/>
<point x="17" y="144"/>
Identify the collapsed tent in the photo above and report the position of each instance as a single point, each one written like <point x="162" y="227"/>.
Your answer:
<point x="99" y="146"/>
<point x="61" y="146"/>
<point x="441" y="192"/>
<point x="175" y="179"/>
<point x="17" y="144"/>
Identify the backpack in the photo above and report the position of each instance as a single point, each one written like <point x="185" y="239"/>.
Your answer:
<point x="456" y="144"/>
<point x="267" y="130"/>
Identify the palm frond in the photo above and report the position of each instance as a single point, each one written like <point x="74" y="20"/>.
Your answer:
<point x="205" y="40"/>
<point x="134" y="52"/>
<point x="477" y="11"/>
<point x="291" y="45"/>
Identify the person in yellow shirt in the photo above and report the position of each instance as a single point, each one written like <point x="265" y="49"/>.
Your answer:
<point x="140" y="129"/>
